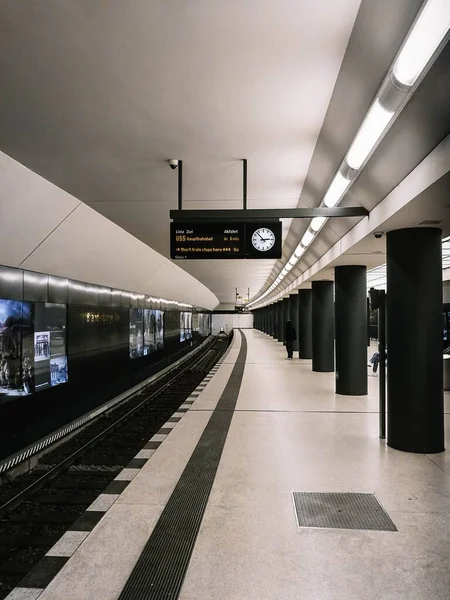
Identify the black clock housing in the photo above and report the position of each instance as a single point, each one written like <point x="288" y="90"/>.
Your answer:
<point x="251" y="251"/>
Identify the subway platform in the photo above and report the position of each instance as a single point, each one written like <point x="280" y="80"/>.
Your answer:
<point x="211" y="513"/>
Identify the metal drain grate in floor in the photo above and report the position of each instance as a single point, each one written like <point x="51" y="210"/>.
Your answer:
<point x="341" y="511"/>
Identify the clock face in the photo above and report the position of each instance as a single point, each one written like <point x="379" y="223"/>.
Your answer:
<point x="263" y="239"/>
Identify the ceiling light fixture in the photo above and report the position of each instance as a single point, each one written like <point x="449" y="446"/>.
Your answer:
<point x="299" y="251"/>
<point x="370" y="132"/>
<point x="336" y="190"/>
<point x="307" y="238"/>
<point x="317" y="223"/>
<point x="427" y="36"/>
<point x="424" y="39"/>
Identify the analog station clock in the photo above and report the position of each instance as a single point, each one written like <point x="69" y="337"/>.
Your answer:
<point x="263" y="239"/>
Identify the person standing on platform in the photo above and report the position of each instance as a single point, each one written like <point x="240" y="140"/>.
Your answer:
<point x="290" y="337"/>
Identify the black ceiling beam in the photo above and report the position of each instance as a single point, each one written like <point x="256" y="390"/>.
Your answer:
<point x="268" y="213"/>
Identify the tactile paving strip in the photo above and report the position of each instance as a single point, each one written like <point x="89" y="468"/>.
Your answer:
<point x="160" y="570"/>
<point x="341" y="511"/>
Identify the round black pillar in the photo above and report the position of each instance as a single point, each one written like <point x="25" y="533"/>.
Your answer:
<point x="285" y="318"/>
<point x="293" y="315"/>
<point x="275" y="321"/>
<point x="280" y="320"/>
<point x="350" y="285"/>
<point x="414" y="334"/>
<point x="322" y="326"/>
<point x="304" y="331"/>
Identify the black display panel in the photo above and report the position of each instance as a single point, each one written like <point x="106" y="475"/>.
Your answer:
<point x="200" y="241"/>
<point x="185" y="326"/>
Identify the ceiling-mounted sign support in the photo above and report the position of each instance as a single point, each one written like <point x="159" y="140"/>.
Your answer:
<point x="262" y="214"/>
<point x="244" y="195"/>
<point x="180" y="185"/>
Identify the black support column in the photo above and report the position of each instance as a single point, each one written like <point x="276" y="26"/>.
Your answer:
<point x="280" y="320"/>
<point x="304" y="331"/>
<point x="350" y="284"/>
<point x="285" y="317"/>
<point x="293" y="315"/>
<point x="414" y="334"/>
<point x="274" y="321"/>
<point x="322" y="326"/>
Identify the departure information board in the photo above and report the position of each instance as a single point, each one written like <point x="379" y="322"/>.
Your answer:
<point x="225" y="240"/>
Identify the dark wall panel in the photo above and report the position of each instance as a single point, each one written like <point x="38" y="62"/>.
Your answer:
<point x="98" y="353"/>
<point x="11" y="283"/>
<point x="35" y="287"/>
<point x="58" y="289"/>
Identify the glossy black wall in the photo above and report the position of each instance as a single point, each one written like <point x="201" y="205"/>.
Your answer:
<point x="99" y="366"/>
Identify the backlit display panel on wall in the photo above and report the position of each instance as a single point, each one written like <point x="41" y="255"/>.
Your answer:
<point x="146" y="331"/>
<point x="33" y="353"/>
<point x="185" y="326"/>
<point x="204" y="324"/>
<point x="153" y="330"/>
<point x="49" y="341"/>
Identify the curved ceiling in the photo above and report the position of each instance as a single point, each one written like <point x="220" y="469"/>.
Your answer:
<point x="96" y="96"/>
<point x="47" y="230"/>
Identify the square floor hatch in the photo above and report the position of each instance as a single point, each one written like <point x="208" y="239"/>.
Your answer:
<point x="341" y="511"/>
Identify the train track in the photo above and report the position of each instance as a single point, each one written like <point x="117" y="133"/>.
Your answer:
<point x="38" y="507"/>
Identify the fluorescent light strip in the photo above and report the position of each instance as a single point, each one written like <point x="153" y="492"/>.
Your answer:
<point x="429" y="31"/>
<point x="336" y="190"/>
<point x="371" y="130"/>
<point x="317" y="223"/>
<point x="307" y="238"/>
<point x="423" y="40"/>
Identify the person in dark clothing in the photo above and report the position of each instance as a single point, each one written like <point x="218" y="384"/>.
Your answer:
<point x="290" y="337"/>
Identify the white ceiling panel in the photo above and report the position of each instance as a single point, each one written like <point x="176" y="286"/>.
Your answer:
<point x="88" y="247"/>
<point x="96" y="96"/>
<point x="30" y="209"/>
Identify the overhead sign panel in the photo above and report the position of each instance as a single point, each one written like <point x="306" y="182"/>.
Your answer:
<point x="225" y="240"/>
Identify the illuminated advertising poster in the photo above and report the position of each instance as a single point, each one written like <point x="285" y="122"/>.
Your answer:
<point x="189" y="326"/>
<point x="196" y="322"/>
<point x="153" y="330"/>
<point x="146" y="331"/>
<point x="185" y="326"/>
<point x="13" y="315"/>
<point x="136" y="332"/>
<point x="204" y="324"/>
<point x="49" y="345"/>
<point x="33" y="353"/>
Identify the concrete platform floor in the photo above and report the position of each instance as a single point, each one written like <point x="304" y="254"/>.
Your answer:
<point x="290" y="432"/>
